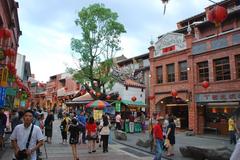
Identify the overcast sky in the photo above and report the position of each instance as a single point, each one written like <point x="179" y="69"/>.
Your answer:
<point x="48" y="26"/>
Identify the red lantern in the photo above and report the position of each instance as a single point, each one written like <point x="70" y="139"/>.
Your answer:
<point x="205" y="84"/>
<point x="217" y="15"/>
<point x="108" y="97"/>
<point x="98" y="94"/>
<point x="134" y="98"/>
<point x="5" y="33"/>
<point x="119" y="98"/>
<point x="65" y="88"/>
<point x="174" y="93"/>
<point x="151" y="97"/>
<point x="91" y="91"/>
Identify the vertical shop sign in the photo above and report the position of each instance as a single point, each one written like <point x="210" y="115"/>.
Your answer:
<point x="2" y="96"/>
<point x="4" y="77"/>
<point x="118" y="106"/>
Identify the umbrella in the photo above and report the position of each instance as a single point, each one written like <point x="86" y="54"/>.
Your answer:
<point x="98" y="104"/>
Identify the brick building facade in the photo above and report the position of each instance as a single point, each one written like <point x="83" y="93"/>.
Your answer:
<point x="198" y="51"/>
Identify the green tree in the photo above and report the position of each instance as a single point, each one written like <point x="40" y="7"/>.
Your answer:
<point x="97" y="47"/>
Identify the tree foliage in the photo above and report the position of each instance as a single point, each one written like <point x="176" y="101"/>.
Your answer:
<point x="96" y="49"/>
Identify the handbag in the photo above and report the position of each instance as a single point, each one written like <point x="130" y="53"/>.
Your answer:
<point x="21" y="155"/>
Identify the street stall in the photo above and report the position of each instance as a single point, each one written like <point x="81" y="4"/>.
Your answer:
<point x="130" y="114"/>
<point x="97" y="108"/>
<point x="79" y="103"/>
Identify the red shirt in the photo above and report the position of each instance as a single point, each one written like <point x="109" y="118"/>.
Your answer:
<point x="91" y="127"/>
<point x="157" y="131"/>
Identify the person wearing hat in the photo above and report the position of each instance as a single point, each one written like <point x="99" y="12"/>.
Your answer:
<point x="158" y="137"/>
<point x="26" y="138"/>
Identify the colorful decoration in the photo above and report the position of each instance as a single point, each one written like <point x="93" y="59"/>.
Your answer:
<point x="217" y="15"/>
<point x="174" y="93"/>
<point x="134" y="98"/>
<point x="205" y="84"/>
<point x="98" y="104"/>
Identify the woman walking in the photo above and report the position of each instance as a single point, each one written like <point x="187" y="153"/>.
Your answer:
<point x="64" y="128"/>
<point x="171" y="136"/>
<point x="104" y="127"/>
<point x="74" y="135"/>
<point x="91" y="129"/>
<point x="49" y="126"/>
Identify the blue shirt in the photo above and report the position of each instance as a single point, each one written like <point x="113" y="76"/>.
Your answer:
<point x="82" y="119"/>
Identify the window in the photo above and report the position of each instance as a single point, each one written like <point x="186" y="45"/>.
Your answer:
<point x="203" y="72"/>
<point x="170" y="73"/>
<point x="159" y="75"/>
<point x="238" y="65"/>
<point x="183" y="71"/>
<point x="222" y="69"/>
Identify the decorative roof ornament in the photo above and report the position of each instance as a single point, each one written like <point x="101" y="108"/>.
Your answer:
<point x="189" y="29"/>
<point x="165" y="5"/>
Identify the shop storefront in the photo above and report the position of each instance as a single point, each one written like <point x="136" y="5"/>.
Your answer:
<point x="217" y="108"/>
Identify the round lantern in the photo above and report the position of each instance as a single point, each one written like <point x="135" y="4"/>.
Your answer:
<point x="134" y="98"/>
<point x="5" y="33"/>
<point x="205" y="84"/>
<point x="108" y="97"/>
<point x="98" y="94"/>
<point x="119" y="98"/>
<point x="91" y="91"/>
<point x="174" y="93"/>
<point x="151" y="97"/>
<point x="217" y="15"/>
<point x="65" y="88"/>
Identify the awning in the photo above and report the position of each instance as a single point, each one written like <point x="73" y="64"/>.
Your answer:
<point x="84" y="99"/>
<point x="132" y="103"/>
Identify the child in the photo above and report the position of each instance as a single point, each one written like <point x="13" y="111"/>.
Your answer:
<point x="74" y="134"/>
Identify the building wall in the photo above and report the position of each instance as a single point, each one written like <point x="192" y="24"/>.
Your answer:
<point x="20" y="62"/>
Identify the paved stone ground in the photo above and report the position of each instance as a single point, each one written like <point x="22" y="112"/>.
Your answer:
<point x="57" y="151"/>
<point x="128" y="151"/>
<point x="205" y="141"/>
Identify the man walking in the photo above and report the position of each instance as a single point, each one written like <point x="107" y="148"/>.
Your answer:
<point x="158" y="137"/>
<point x="82" y="122"/>
<point x="231" y="130"/>
<point x="26" y="138"/>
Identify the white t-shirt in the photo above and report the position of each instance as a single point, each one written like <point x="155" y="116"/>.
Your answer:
<point x="118" y="118"/>
<point x="21" y="134"/>
<point x="236" y="153"/>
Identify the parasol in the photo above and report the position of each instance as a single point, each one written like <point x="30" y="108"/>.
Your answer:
<point x="98" y="104"/>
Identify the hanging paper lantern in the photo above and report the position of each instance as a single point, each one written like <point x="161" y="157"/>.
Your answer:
<point x="151" y="97"/>
<point x="217" y="15"/>
<point x="65" y="88"/>
<point x="5" y="33"/>
<point x="174" y="93"/>
<point x="108" y="97"/>
<point x="119" y="98"/>
<point x="98" y="94"/>
<point x="134" y="98"/>
<point x="205" y="84"/>
<point x="91" y="91"/>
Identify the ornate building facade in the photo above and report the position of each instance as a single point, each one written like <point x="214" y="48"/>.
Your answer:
<point x="195" y="71"/>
